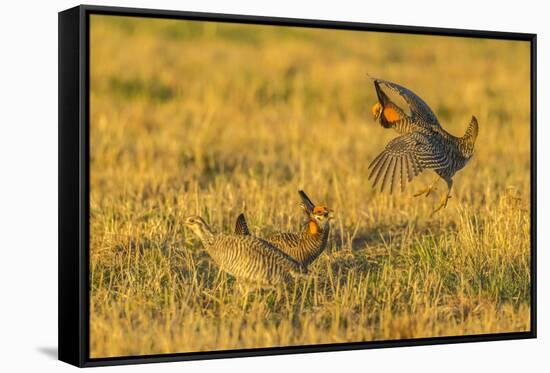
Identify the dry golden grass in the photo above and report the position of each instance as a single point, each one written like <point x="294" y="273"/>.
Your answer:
<point x="214" y="119"/>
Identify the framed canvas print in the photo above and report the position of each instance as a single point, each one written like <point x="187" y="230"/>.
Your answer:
<point x="237" y="185"/>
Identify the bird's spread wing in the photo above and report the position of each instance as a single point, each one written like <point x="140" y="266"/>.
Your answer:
<point x="419" y="109"/>
<point x="406" y="157"/>
<point x="241" y="228"/>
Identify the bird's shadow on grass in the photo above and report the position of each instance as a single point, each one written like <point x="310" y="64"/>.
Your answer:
<point x="388" y="234"/>
<point x="374" y="236"/>
<point x="369" y="247"/>
<point x="49" y="351"/>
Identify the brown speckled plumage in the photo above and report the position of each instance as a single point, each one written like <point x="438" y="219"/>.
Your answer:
<point x="246" y="257"/>
<point x="305" y="246"/>
<point x="423" y="143"/>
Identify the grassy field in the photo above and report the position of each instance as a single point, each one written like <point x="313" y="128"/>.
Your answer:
<point x="213" y="119"/>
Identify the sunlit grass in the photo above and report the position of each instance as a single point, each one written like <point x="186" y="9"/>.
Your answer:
<point x="216" y="119"/>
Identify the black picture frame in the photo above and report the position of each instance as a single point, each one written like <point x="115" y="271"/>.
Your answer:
<point x="74" y="183"/>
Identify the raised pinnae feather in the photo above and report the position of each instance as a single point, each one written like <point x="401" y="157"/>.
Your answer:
<point x="241" y="227"/>
<point x="307" y="202"/>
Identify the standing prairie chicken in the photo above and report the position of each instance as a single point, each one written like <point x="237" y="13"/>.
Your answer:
<point x="305" y="246"/>
<point x="247" y="258"/>
<point x="423" y="143"/>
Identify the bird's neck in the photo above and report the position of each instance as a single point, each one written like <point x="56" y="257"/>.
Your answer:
<point x="313" y="241"/>
<point x="205" y="234"/>
<point x="313" y="230"/>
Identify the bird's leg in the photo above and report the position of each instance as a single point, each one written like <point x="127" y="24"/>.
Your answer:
<point x="446" y="197"/>
<point x="442" y="203"/>
<point x="244" y="290"/>
<point x="428" y="190"/>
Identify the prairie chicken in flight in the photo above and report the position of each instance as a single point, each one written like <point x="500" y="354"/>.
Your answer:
<point x="423" y="143"/>
<point x="305" y="246"/>
<point x="247" y="258"/>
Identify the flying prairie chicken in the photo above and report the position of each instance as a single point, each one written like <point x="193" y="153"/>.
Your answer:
<point x="247" y="258"/>
<point x="423" y="143"/>
<point x="305" y="246"/>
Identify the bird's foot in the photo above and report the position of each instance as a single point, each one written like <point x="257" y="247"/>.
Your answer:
<point x="443" y="203"/>
<point x="426" y="191"/>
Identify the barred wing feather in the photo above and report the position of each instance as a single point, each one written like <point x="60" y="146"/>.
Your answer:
<point x="406" y="157"/>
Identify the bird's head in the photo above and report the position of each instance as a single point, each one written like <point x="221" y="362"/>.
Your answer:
<point x="318" y="217"/>
<point x="321" y="215"/>
<point x="384" y="110"/>
<point x="377" y="110"/>
<point x="198" y="226"/>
